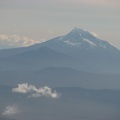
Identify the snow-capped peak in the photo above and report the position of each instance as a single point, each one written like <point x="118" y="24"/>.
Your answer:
<point x="78" y="37"/>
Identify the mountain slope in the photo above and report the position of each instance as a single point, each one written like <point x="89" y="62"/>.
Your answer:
<point x="35" y="59"/>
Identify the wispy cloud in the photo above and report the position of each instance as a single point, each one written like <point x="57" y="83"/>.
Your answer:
<point x="33" y="91"/>
<point x="10" y="110"/>
<point x="94" y="34"/>
<point x="16" y="41"/>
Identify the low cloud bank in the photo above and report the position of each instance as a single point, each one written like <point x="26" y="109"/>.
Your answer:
<point x="25" y="88"/>
<point x="10" y="110"/>
<point x="16" y="41"/>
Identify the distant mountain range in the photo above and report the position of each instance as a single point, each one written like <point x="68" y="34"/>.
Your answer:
<point x="76" y="59"/>
<point x="61" y="77"/>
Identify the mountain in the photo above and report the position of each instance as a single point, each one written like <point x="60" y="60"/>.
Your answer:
<point x="78" y="42"/>
<point x="75" y="40"/>
<point x="92" y="54"/>
<point x="78" y="49"/>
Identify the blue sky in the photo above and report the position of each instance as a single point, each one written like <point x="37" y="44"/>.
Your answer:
<point x="24" y="22"/>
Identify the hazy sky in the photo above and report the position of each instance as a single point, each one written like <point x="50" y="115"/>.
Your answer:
<point x="30" y="21"/>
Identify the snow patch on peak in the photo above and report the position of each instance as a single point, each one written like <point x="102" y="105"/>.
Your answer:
<point x="90" y="42"/>
<point x="72" y="43"/>
<point x="87" y="40"/>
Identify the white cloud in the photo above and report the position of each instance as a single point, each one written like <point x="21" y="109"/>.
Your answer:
<point x="16" y="41"/>
<point x="25" y="88"/>
<point x="10" y="110"/>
